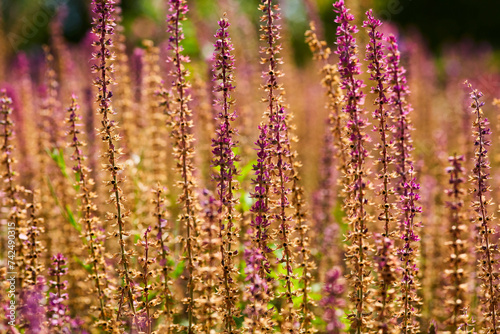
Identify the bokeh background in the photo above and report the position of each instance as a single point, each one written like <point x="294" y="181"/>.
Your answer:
<point x="442" y="42"/>
<point x="440" y="23"/>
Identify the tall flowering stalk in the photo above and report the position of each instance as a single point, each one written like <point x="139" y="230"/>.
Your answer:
<point x="357" y="183"/>
<point x="270" y="34"/>
<point x="224" y="158"/>
<point x="162" y="239"/>
<point x="258" y="257"/>
<point x="34" y="311"/>
<point x="183" y="145"/>
<point x="210" y="269"/>
<point x="287" y="164"/>
<point x="334" y="157"/>
<point x="408" y="255"/>
<point x="282" y="160"/>
<point x="147" y="289"/>
<point x="378" y="74"/>
<point x="57" y="310"/>
<point x="92" y="233"/>
<point x="331" y="82"/>
<point x="124" y="96"/>
<point x="103" y="29"/>
<point x="401" y="110"/>
<point x="406" y="189"/>
<point x="257" y="320"/>
<point x="332" y="300"/>
<point x="456" y="274"/>
<point x="377" y="69"/>
<point x="157" y="155"/>
<point x="16" y="223"/>
<point x="33" y="245"/>
<point x="282" y="191"/>
<point x="488" y="250"/>
<point x="385" y="265"/>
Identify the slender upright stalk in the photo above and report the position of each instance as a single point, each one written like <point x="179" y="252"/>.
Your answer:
<point x="331" y="83"/>
<point x="92" y="233"/>
<point x="377" y="68"/>
<point x="258" y="257"/>
<point x="282" y="161"/>
<point x="183" y="147"/>
<point x="162" y="237"/>
<point x="406" y="189"/>
<point x="147" y="289"/>
<point x="456" y="273"/>
<point x="33" y="244"/>
<point x="211" y="272"/>
<point x="16" y="223"/>
<point x="103" y="29"/>
<point x="488" y="273"/>
<point x="356" y="201"/>
<point x="224" y="158"/>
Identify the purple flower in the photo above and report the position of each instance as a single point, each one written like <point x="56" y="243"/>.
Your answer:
<point x="406" y="189"/>
<point x="332" y="300"/>
<point x="261" y="222"/>
<point x="224" y="158"/>
<point x="401" y="109"/>
<point x="34" y="311"/>
<point x="223" y="144"/>
<point x="57" y="310"/>
<point x="257" y="284"/>
<point x="357" y="181"/>
<point x="486" y="248"/>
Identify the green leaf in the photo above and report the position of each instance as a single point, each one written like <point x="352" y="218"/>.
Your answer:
<point x="179" y="268"/>
<point x="87" y="267"/>
<point x="246" y="170"/>
<point x="71" y="219"/>
<point x="58" y="156"/>
<point x="246" y="201"/>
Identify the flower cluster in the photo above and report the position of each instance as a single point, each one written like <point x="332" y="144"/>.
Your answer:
<point x="92" y="232"/>
<point x="400" y="110"/>
<point x="488" y="250"/>
<point x="406" y="188"/>
<point x="224" y="158"/>
<point x="14" y="202"/>
<point x="332" y="300"/>
<point x="33" y="311"/>
<point x="209" y="269"/>
<point x="270" y="35"/>
<point x="33" y="245"/>
<point x="261" y="317"/>
<point x="377" y="68"/>
<point x="357" y="182"/>
<point x="144" y="308"/>
<point x="284" y="159"/>
<point x="181" y="124"/>
<point x="408" y="255"/>
<point x="258" y="320"/>
<point x="386" y="266"/>
<point x="163" y="252"/>
<point x="193" y="271"/>
<point x="281" y="192"/>
<point x="331" y="83"/>
<point x="58" y="311"/>
<point x="103" y="29"/>
<point x="456" y="274"/>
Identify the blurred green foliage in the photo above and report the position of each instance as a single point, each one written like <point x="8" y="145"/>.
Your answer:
<point x="439" y="22"/>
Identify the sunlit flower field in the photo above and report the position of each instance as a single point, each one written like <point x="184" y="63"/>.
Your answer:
<point x="213" y="173"/>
